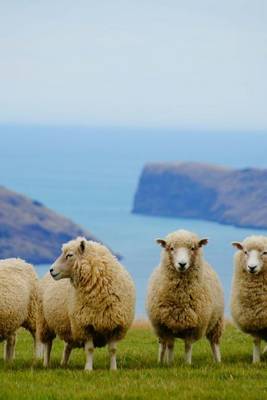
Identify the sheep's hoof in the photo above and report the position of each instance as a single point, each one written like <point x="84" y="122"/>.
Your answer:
<point x="256" y="361"/>
<point x="88" y="369"/>
<point x="8" y="361"/>
<point x="63" y="365"/>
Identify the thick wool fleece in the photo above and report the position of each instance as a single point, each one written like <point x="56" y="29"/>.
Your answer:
<point x="18" y="297"/>
<point x="97" y="301"/>
<point x="249" y="292"/>
<point x="53" y="317"/>
<point x="185" y="304"/>
<point x="102" y="297"/>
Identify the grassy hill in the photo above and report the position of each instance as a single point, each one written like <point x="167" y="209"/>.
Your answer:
<point x="139" y="376"/>
<point x="32" y="231"/>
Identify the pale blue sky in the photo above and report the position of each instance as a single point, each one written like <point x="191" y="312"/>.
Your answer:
<point x="193" y="64"/>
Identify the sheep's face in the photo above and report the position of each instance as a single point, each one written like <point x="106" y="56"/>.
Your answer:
<point x="71" y="253"/>
<point x="254" y="257"/>
<point x="182" y="256"/>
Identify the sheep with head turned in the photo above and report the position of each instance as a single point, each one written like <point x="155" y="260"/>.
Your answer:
<point x="99" y="300"/>
<point x="249" y="290"/>
<point x="185" y="298"/>
<point x="18" y="302"/>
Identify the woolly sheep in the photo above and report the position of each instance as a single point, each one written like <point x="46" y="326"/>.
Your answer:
<point x="18" y="302"/>
<point x="185" y="298"/>
<point x="249" y="290"/>
<point x="53" y="318"/>
<point x="97" y="302"/>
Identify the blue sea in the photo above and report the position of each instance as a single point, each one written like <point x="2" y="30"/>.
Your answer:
<point x="91" y="174"/>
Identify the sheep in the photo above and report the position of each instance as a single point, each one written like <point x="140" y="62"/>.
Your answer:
<point x="53" y="319"/>
<point x="97" y="301"/>
<point x="18" y="303"/>
<point x="249" y="290"/>
<point x="185" y="298"/>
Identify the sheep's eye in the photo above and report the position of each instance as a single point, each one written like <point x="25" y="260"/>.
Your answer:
<point x="246" y="252"/>
<point x="171" y="248"/>
<point x="69" y="256"/>
<point x="264" y="253"/>
<point x="193" y="248"/>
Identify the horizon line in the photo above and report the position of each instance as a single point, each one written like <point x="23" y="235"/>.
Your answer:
<point x="135" y="128"/>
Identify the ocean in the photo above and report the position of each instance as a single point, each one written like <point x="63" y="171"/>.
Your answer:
<point x="90" y="175"/>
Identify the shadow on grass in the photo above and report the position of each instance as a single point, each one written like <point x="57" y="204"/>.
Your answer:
<point x="199" y="362"/>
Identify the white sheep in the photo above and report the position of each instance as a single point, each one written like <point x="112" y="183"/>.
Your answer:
<point x="53" y="318"/>
<point x="185" y="298"/>
<point x="249" y="290"/>
<point x="18" y="302"/>
<point x="92" y="307"/>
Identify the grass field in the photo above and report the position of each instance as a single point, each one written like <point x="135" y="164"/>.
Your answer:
<point x="139" y="376"/>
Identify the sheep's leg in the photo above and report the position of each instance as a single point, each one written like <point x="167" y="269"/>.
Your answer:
<point x="89" y="351"/>
<point x="214" y="338"/>
<point x="256" y="350"/>
<point x="188" y="351"/>
<point x="47" y="352"/>
<point x="66" y="354"/>
<point x="39" y="349"/>
<point x="9" y="349"/>
<point x="112" y="347"/>
<point x="169" y="352"/>
<point x="215" y="348"/>
<point x="162" y="350"/>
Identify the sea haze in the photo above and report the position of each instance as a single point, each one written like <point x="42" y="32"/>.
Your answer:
<point x="90" y="175"/>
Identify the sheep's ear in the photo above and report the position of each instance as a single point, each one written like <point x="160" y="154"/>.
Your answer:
<point x="161" y="242"/>
<point x="238" y="245"/>
<point x="82" y="245"/>
<point x="203" y="242"/>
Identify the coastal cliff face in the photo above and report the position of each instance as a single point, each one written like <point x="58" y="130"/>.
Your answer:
<point x="191" y="190"/>
<point x="31" y="231"/>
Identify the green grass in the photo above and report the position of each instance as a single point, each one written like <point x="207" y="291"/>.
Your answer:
<point x="139" y="376"/>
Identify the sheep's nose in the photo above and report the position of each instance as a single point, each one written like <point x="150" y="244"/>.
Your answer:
<point x="252" y="268"/>
<point x="182" y="265"/>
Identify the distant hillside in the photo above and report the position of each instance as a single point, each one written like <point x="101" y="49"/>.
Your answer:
<point x="31" y="231"/>
<point x="191" y="190"/>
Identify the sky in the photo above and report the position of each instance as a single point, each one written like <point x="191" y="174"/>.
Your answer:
<point x="187" y="64"/>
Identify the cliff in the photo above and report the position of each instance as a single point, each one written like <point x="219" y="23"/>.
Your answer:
<point x="208" y="192"/>
<point x="31" y="231"/>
